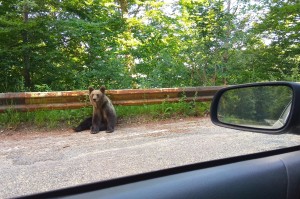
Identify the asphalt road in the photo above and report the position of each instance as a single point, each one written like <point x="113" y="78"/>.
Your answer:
<point x="43" y="161"/>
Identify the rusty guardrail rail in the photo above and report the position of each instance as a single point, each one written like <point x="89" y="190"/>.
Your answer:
<point x="31" y="101"/>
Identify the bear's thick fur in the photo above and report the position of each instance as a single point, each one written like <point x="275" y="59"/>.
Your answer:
<point x="104" y="115"/>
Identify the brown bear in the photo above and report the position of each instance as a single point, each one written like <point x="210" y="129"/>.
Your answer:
<point x="104" y="115"/>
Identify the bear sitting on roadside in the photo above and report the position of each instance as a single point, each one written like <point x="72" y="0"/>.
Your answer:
<point x="104" y="115"/>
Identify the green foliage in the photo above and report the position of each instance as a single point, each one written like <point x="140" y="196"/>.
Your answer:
<point x="45" y="119"/>
<point x="71" y="118"/>
<point x="164" y="111"/>
<point x="48" y="45"/>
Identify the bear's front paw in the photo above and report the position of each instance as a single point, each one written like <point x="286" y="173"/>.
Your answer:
<point x="78" y="129"/>
<point x="94" y="130"/>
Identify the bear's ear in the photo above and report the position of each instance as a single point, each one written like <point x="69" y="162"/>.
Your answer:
<point x="102" y="89"/>
<point x="91" y="89"/>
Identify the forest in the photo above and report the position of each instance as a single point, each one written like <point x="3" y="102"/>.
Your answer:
<point x="54" y="45"/>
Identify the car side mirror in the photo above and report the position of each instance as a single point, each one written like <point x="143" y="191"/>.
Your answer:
<point x="260" y="107"/>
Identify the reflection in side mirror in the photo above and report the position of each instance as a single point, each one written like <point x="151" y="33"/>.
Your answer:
<point x="262" y="107"/>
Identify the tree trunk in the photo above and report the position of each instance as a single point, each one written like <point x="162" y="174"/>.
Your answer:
<point x="226" y="53"/>
<point x="26" y="52"/>
<point x="124" y="7"/>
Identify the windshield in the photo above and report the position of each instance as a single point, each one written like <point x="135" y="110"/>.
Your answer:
<point x="95" y="90"/>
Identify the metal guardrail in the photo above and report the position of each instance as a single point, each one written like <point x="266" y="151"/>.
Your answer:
<point x="31" y="101"/>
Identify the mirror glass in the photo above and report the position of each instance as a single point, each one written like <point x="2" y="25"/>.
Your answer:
<point x="264" y="107"/>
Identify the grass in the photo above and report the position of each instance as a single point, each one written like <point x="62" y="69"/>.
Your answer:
<point x="128" y="114"/>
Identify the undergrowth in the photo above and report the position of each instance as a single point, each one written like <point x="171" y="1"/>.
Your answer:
<point x="70" y="118"/>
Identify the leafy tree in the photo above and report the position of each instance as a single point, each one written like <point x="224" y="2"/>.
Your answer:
<point x="65" y="45"/>
<point x="57" y="44"/>
<point x="279" y="27"/>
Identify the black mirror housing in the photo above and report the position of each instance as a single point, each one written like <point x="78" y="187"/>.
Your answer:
<point x="270" y="107"/>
